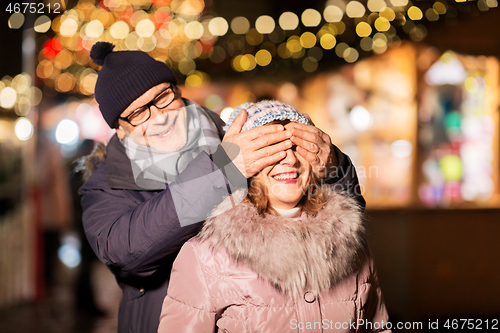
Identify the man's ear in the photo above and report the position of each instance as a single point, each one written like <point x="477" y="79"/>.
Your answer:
<point x="120" y="132"/>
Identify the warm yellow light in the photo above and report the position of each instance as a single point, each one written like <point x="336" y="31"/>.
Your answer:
<point x="119" y="30"/>
<point x="283" y="51"/>
<point x="44" y="69"/>
<point x="94" y="29"/>
<point x="253" y="37"/>
<point x="42" y="24"/>
<point x="240" y="25"/>
<point x="333" y="14"/>
<point x="236" y="63"/>
<point x="382" y="24"/>
<point x="263" y="57"/>
<point x="363" y="29"/>
<point x="310" y="64"/>
<point x="64" y="59"/>
<point x="388" y="13"/>
<point x="492" y="3"/>
<point x="414" y="13"/>
<point x="439" y="7"/>
<point x="195" y="80"/>
<point x="461" y="0"/>
<point x="131" y="41"/>
<point x="265" y="24"/>
<point x="376" y="6"/>
<point x="186" y="66"/>
<point x="218" y="26"/>
<point x="145" y="28"/>
<point x="16" y="20"/>
<point x="350" y="55"/>
<point x="288" y="21"/>
<point x="355" y="9"/>
<point x="293" y="44"/>
<point x="247" y="62"/>
<point x="431" y="14"/>
<point x="399" y="3"/>
<point x="68" y="27"/>
<point x="340" y="48"/>
<point x="327" y="41"/>
<point x="8" y="97"/>
<point x="308" y="40"/>
<point x="146" y="44"/>
<point x="193" y="30"/>
<point x="366" y="44"/>
<point x="65" y="82"/>
<point x="311" y="18"/>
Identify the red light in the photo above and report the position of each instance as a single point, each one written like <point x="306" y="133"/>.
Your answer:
<point x="51" y="48"/>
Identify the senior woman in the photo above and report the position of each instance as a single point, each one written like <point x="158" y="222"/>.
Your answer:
<point x="287" y="256"/>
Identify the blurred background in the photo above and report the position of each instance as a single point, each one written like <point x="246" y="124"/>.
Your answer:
<point x="408" y="89"/>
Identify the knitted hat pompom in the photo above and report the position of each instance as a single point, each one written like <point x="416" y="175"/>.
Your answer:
<point x="99" y="52"/>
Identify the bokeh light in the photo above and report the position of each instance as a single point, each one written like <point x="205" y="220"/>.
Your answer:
<point x="360" y="118"/>
<point x="16" y="21"/>
<point x="67" y="132"/>
<point x="42" y="24"/>
<point x="218" y="26"/>
<point x="333" y="14"/>
<point x="240" y="25"/>
<point x="23" y="129"/>
<point x="355" y="9"/>
<point x="288" y="21"/>
<point x="8" y="97"/>
<point x="311" y="18"/>
<point x="265" y="24"/>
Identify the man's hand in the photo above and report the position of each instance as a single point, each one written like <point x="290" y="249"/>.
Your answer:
<point x="255" y="149"/>
<point x="315" y="146"/>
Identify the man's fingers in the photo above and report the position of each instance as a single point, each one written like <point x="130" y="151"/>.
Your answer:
<point x="237" y="123"/>
<point x="312" y="147"/>
<point x="312" y="158"/>
<point x="260" y="164"/>
<point x="271" y="150"/>
<point x="258" y="132"/>
<point x="270" y="139"/>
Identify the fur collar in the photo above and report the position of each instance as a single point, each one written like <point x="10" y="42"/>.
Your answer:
<point x="309" y="252"/>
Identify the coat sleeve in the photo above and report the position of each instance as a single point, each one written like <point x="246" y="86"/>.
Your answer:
<point x="187" y="307"/>
<point x="135" y="238"/>
<point x="372" y="301"/>
<point x="344" y="178"/>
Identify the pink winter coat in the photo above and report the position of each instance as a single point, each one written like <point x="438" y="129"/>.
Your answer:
<point x="248" y="273"/>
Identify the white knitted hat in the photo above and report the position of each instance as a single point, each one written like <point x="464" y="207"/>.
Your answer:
<point x="264" y="112"/>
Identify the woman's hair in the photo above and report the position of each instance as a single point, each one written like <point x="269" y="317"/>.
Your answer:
<point x="311" y="202"/>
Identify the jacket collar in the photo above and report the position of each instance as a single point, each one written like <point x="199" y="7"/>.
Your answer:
<point x="294" y="254"/>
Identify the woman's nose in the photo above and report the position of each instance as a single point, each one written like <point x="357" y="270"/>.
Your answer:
<point x="290" y="158"/>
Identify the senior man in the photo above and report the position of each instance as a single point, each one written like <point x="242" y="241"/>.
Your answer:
<point x="166" y="167"/>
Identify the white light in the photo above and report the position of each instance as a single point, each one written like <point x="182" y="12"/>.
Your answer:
<point x="447" y="70"/>
<point x="66" y="132"/>
<point x="69" y="251"/>
<point x="288" y="21"/>
<point x="218" y="26"/>
<point x="225" y="114"/>
<point x="23" y="129"/>
<point x="265" y="24"/>
<point x="401" y="148"/>
<point x="8" y="98"/>
<point x="360" y="118"/>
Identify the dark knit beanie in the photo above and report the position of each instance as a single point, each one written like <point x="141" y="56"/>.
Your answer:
<point x="124" y="76"/>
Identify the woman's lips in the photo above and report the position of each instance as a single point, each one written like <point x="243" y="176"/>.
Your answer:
<point x="286" y="177"/>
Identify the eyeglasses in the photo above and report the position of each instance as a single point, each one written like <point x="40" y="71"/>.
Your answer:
<point x="161" y="101"/>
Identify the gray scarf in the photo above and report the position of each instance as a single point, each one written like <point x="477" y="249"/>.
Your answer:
<point x="154" y="169"/>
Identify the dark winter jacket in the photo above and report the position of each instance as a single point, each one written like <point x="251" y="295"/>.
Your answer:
<point x="137" y="232"/>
